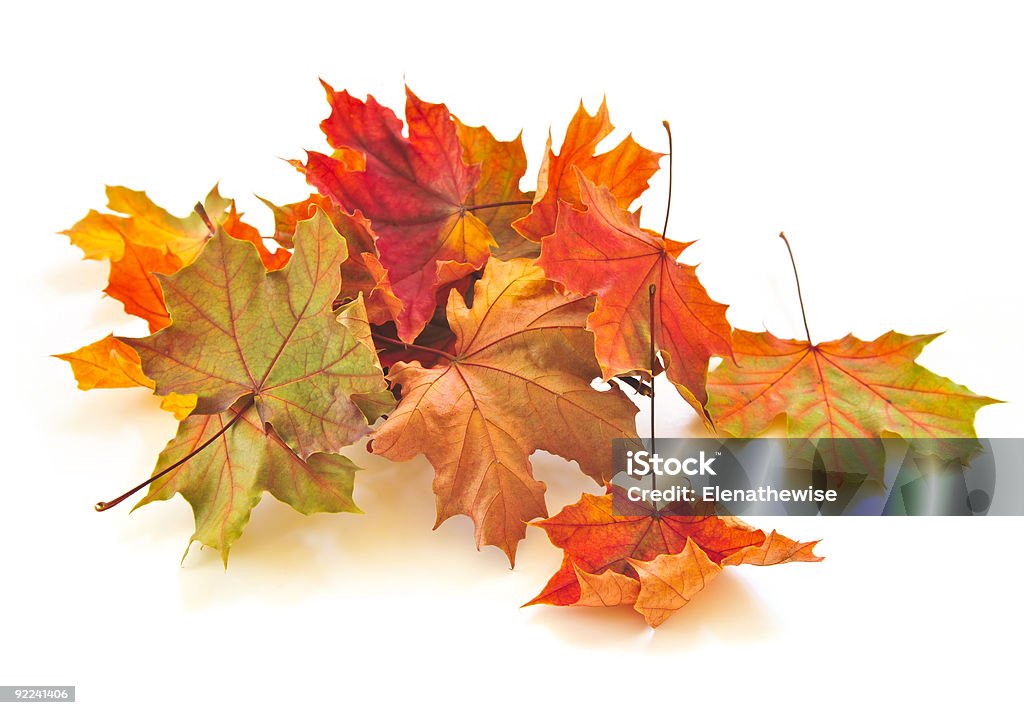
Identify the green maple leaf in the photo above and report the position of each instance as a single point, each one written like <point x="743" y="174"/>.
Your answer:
<point x="224" y="481"/>
<point x="282" y="382"/>
<point x="239" y="331"/>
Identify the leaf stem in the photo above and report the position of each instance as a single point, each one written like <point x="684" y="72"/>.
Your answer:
<point x="651" y="291"/>
<point x="668" y="205"/>
<point x="104" y="505"/>
<point x="799" y="292"/>
<point x="201" y="210"/>
<point x="650" y="311"/>
<point x="641" y="387"/>
<point x="499" y="204"/>
<point x="414" y="346"/>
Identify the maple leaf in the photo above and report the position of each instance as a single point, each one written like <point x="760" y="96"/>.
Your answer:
<point x="240" y="331"/>
<point x="106" y="363"/>
<point x="138" y="245"/>
<point x="624" y="171"/>
<point x="361" y="272"/>
<point x="518" y="381"/>
<point x="600" y="249"/>
<point x="143" y="240"/>
<point x="287" y="216"/>
<point x="180" y="406"/>
<point x="655" y="561"/>
<point x="109" y="363"/>
<point x="415" y="192"/>
<point x="142" y="223"/>
<point x="235" y="227"/>
<point x="242" y="458"/>
<point x="845" y="388"/>
<point x="502" y="165"/>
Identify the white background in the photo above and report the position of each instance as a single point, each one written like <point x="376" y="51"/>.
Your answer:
<point x="886" y="140"/>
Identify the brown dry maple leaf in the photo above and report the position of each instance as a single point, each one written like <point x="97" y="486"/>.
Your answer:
<point x="624" y="171"/>
<point x="599" y="248"/>
<point x="654" y="561"/>
<point x="519" y="380"/>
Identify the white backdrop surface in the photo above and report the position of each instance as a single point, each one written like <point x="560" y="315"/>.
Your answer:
<point x="885" y="139"/>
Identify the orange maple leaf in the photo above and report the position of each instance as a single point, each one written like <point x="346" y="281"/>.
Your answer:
<point x="110" y="363"/>
<point x="502" y="165"/>
<point x="624" y="171"/>
<point x="142" y="240"/>
<point x="599" y="248"/>
<point x="656" y="562"/>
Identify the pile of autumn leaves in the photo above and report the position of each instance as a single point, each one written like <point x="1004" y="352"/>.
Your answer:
<point x="422" y="297"/>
